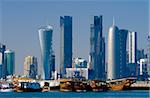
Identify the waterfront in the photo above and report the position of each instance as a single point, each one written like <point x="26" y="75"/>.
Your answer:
<point x="109" y="94"/>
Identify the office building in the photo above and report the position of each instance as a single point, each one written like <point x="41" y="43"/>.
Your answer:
<point x="116" y="67"/>
<point x="45" y="37"/>
<point x="30" y="66"/>
<point x="2" y="65"/>
<point x="79" y="63"/>
<point x="97" y="50"/>
<point x="9" y="60"/>
<point x="65" y="44"/>
<point x="148" y="55"/>
<point x="132" y="47"/>
<point x="143" y="69"/>
<point x="77" y="73"/>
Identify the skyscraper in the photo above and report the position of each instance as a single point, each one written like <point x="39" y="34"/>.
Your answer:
<point x="116" y="53"/>
<point x="45" y="37"/>
<point x="9" y="60"/>
<point x="66" y="44"/>
<point x="2" y="65"/>
<point x="132" y="47"/>
<point x="97" y="50"/>
<point x="30" y="66"/>
<point x="132" y="54"/>
<point x="148" y="65"/>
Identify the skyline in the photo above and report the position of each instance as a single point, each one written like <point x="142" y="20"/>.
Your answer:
<point x="81" y="24"/>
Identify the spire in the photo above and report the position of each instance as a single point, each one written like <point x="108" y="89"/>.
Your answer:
<point x="113" y="21"/>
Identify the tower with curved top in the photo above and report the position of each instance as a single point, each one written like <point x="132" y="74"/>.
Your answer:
<point x="117" y="39"/>
<point x="45" y="37"/>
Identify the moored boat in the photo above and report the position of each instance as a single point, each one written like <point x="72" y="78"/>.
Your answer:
<point x="29" y="87"/>
<point x="79" y="86"/>
<point x="98" y="86"/>
<point x="6" y="87"/>
<point x="119" y="84"/>
<point x="66" y="85"/>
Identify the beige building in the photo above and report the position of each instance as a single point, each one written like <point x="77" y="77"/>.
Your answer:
<point x="30" y="66"/>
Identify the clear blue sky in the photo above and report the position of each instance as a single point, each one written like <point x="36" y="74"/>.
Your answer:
<point x="20" y="20"/>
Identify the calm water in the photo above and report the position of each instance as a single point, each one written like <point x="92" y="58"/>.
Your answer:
<point x="110" y="94"/>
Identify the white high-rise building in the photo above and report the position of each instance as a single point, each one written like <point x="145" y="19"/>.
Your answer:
<point x="132" y="47"/>
<point x="116" y="53"/>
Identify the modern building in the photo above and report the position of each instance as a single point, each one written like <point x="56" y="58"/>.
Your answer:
<point x="97" y="50"/>
<point x="45" y="37"/>
<point x="132" y="47"/>
<point x="2" y="65"/>
<point x="77" y="73"/>
<point x="79" y="63"/>
<point x="140" y="54"/>
<point x="117" y="39"/>
<point x="148" y="56"/>
<point x="53" y="62"/>
<point x="65" y="44"/>
<point x="143" y="71"/>
<point x="9" y="60"/>
<point x="30" y="66"/>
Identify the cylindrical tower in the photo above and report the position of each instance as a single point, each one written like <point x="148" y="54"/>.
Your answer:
<point x="113" y="53"/>
<point x="9" y="59"/>
<point x="45" y="37"/>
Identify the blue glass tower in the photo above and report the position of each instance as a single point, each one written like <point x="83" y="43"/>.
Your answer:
<point x="97" y="51"/>
<point x="2" y="65"/>
<point x="9" y="57"/>
<point x="148" y="48"/>
<point x="45" y="36"/>
<point x="66" y="44"/>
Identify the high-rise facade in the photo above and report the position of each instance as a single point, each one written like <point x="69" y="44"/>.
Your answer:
<point x="148" y="48"/>
<point x="116" y="53"/>
<point x="132" y="64"/>
<point x="132" y="47"/>
<point x="9" y="60"/>
<point x="97" y="50"/>
<point x="45" y="37"/>
<point x="2" y="65"/>
<point x="66" y="44"/>
<point x="30" y="66"/>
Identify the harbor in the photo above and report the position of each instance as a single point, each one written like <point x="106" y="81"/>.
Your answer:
<point x="71" y="85"/>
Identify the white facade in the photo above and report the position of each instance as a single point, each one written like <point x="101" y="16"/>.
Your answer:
<point x="83" y="72"/>
<point x="113" y="49"/>
<point x="132" y="47"/>
<point x="143" y="66"/>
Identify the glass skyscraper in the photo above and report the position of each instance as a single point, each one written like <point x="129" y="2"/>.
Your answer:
<point x="66" y="44"/>
<point x="97" y="50"/>
<point x="45" y="37"/>
<point x="9" y="59"/>
<point x="148" y="65"/>
<point x="2" y="65"/>
<point x="116" y="53"/>
<point x="30" y="66"/>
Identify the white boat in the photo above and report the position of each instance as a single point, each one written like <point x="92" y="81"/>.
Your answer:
<point x="6" y="87"/>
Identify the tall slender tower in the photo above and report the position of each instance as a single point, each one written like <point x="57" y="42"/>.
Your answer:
<point x="116" y="53"/>
<point x="45" y="37"/>
<point x="132" y="53"/>
<point x="148" y="55"/>
<point x="2" y="65"/>
<point x="9" y="57"/>
<point x="66" y="44"/>
<point x="132" y="47"/>
<point x="97" y="51"/>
